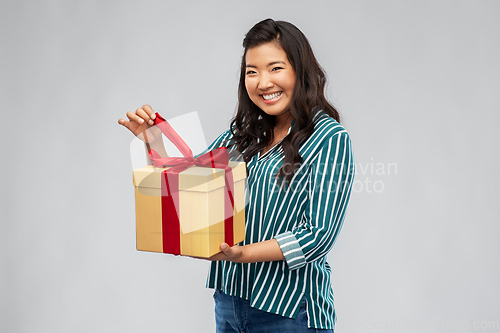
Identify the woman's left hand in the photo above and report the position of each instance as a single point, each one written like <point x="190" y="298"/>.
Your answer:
<point x="228" y="253"/>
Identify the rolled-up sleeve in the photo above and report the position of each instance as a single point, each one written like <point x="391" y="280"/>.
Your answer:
<point x="330" y="178"/>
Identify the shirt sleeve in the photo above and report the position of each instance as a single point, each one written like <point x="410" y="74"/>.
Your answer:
<point x="222" y="140"/>
<point x="330" y="178"/>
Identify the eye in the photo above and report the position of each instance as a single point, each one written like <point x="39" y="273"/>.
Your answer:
<point x="250" y="72"/>
<point x="276" y="68"/>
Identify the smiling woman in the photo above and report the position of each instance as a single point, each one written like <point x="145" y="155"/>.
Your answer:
<point x="286" y="49"/>
<point x="300" y="174"/>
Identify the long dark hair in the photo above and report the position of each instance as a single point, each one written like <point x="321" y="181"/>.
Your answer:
<point x="252" y="128"/>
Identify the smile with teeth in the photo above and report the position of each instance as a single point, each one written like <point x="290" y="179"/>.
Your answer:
<point x="272" y="96"/>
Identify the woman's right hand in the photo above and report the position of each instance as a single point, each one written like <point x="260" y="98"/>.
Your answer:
<point x="140" y="124"/>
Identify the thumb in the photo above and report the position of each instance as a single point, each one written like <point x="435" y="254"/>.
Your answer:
<point x="225" y="248"/>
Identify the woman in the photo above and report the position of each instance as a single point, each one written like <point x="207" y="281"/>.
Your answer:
<point x="300" y="173"/>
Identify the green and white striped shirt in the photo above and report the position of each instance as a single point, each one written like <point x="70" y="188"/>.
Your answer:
<point x="305" y="218"/>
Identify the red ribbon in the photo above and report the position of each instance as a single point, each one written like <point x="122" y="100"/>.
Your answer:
<point x="217" y="158"/>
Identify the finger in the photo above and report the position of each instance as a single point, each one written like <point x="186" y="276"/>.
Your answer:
<point x="133" y="117"/>
<point x="217" y="257"/>
<point x="149" y="111"/>
<point x="141" y="113"/>
<point x="124" y="123"/>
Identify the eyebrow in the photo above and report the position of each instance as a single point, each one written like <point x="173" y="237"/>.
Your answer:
<point x="270" y="64"/>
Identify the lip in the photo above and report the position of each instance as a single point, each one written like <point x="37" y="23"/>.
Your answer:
<point x="271" y="101"/>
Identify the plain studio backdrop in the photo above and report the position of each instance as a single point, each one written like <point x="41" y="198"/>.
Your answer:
<point x="417" y="85"/>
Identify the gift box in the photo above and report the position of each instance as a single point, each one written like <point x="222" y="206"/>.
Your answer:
<point x="200" y="211"/>
<point x="188" y="206"/>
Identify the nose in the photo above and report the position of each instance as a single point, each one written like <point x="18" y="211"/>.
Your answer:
<point x="265" y="82"/>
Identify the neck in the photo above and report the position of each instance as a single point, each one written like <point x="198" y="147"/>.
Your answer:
<point x="283" y="121"/>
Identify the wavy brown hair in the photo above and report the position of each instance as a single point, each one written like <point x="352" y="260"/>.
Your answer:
<point x="252" y="128"/>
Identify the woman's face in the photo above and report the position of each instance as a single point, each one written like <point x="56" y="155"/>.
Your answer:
<point x="269" y="78"/>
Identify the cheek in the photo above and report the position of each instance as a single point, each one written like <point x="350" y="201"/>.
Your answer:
<point x="247" y="87"/>
<point x="251" y="93"/>
<point x="291" y="83"/>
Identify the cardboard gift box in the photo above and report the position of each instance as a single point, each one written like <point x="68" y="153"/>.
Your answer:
<point x="201" y="208"/>
<point x="189" y="206"/>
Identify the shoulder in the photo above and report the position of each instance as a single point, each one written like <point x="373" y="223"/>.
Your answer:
<point x="326" y="129"/>
<point x="328" y="139"/>
<point x="329" y="143"/>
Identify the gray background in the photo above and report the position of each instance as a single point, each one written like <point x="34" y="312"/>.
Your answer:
<point x="417" y="84"/>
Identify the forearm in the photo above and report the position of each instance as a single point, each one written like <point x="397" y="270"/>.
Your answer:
<point x="263" y="251"/>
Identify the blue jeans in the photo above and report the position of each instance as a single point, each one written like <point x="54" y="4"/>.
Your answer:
<point x="234" y="314"/>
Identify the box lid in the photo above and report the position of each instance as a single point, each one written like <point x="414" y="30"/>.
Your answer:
<point x="194" y="178"/>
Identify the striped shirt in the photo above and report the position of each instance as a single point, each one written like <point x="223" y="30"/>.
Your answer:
<point x="305" y="218"/>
